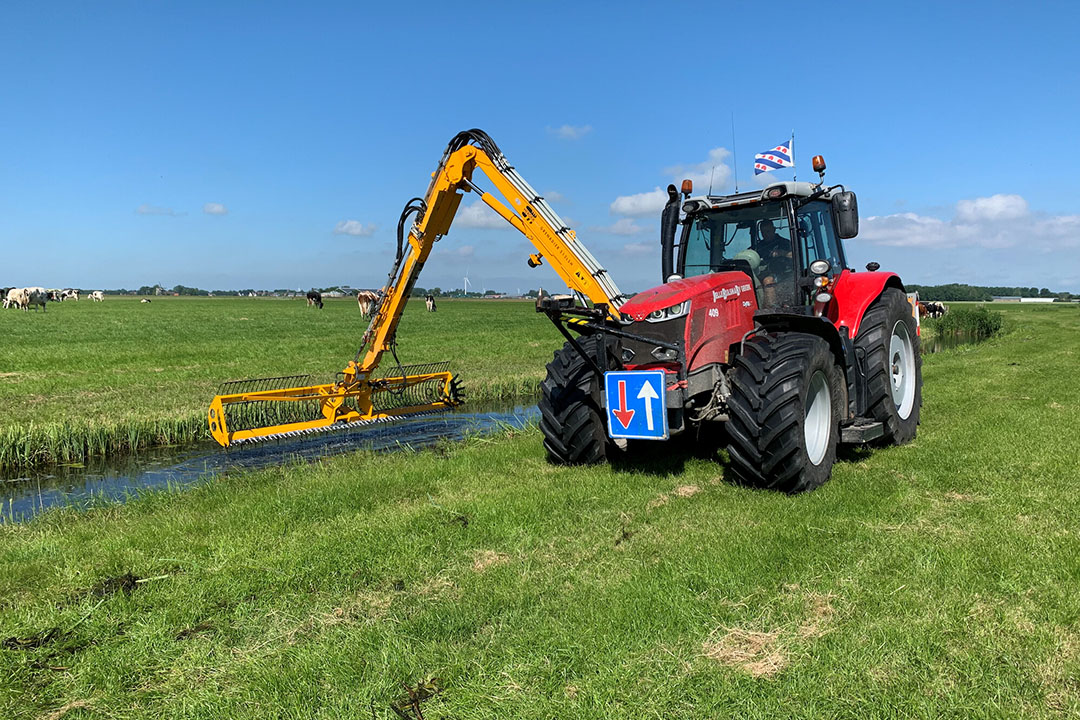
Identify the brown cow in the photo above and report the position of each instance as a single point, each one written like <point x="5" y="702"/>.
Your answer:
<point x="365" y="300"/>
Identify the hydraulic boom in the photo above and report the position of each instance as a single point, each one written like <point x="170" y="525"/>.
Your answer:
<point x="359" y="396"/>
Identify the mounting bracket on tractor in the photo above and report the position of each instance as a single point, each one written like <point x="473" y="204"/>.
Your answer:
<point x="595" y="320"/>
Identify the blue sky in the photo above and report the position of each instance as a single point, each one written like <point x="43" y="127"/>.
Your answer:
<point x="269" y="145"/>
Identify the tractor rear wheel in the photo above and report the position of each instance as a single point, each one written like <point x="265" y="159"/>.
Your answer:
<point x="889" y="349"/>
<point x="571" y="414"/>
<point x="785" y="408"/>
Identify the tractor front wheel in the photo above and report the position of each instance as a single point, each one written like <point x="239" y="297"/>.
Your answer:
<point x="787" y="395"/>
<point x="889" y="348"/>
<point x="571" y="414"/>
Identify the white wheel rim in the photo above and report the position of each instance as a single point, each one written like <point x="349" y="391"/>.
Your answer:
<point x="817" y="418"/>
<point x="902" y="370"/>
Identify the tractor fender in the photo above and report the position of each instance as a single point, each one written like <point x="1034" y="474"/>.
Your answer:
<point x="778" y="321"/>
<point x="853" y="293"/>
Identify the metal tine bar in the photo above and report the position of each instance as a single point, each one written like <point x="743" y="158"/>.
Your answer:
<point x="417" y="369"/>
<point x="233" y="387"/>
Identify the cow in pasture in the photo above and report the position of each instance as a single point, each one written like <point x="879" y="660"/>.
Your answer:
<point x="314" y="298"/>
<point x="36" y="296"/>
<point x="69" y="293"/>
<point x="23" y="298"/>
<point x="935" y="309"/>
<point x="97" y="296"/>
<point x="16" y="298"/>
<point x="145" y="300"/>
<point x="4" y="296"/>
<point x="53" y="295"/>
<point x="430" y="302"/>
<point x="365" y="300"/>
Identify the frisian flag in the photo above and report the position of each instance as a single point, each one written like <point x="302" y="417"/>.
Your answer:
<point x="773" y="159"/>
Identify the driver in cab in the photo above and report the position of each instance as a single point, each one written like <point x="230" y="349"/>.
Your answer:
<point x="777" y="267"/>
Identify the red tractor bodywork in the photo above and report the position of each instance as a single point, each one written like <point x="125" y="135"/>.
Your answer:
<point x="722" y="307"/>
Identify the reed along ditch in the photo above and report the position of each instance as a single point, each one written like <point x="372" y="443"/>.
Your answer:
<point x="118" y="478"/>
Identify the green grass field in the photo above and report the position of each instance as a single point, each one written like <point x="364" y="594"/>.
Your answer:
<point x="93" y="378"/>
<point x="933" y="580"/>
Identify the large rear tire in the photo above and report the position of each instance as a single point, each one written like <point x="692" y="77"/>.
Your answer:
<point x="571" y="415"/>
<point x="785" y="409"/>
<point x="892" y="360"/>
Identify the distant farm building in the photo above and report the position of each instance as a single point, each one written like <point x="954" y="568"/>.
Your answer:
<point x="1006" y="298"/>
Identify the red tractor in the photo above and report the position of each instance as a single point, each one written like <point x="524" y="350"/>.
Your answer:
<point x="762" y="337"/>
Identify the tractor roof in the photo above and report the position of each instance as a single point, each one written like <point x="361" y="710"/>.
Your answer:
<point x="800" y="189"/>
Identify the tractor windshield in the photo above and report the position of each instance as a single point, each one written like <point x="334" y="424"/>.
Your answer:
<point x="755" y="240"/>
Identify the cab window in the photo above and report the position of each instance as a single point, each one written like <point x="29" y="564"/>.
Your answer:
<point x="817" y="236"/>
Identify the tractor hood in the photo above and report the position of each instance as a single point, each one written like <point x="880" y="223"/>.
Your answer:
<point x="664" y="296"/>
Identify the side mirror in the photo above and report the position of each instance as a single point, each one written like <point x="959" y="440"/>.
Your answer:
<point x="846" y="212"/>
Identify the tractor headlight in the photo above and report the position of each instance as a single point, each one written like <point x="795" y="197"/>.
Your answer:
<point x="669" y="313"/>
<point x="823" y="297"/>
<point x="819" y="267"/>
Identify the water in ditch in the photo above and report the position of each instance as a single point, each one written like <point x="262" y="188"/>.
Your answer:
<point x="947" y="341"/>
<point x="116" y="479"/>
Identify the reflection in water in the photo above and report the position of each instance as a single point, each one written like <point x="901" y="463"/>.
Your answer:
<point x="117" y="479"/>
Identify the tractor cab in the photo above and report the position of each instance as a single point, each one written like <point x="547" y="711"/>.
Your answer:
<point x="784" y="238"/>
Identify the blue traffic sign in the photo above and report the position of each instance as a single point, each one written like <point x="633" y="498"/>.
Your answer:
<point x="635" y="404"/>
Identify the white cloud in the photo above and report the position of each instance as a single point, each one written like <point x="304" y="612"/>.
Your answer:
<point x="995" y="207"/>
<point x="622" y="226"/>
<point x="554" y="196"/>
<point x="145" y="209"/>
<point x="355" y="228"/>
<point x="464" y="251"/>
<point x="639" y="248"/>
<point x="570" y="132"/>
<point x="215" y="209"/>
<point x="646" y="203"/>
<point x="714" y="170"/>
<point x="479" y="215"/>
<point x="999" y="221"/>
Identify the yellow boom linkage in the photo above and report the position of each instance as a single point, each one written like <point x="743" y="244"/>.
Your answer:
<point x="358" y="396"/>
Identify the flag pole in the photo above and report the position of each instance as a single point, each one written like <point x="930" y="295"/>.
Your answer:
<point x="793" y="168"/>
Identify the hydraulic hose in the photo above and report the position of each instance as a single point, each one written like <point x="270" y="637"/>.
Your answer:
<point x="415" y="205"/>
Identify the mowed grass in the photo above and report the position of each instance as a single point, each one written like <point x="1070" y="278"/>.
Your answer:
<point x="93" y="378"/>
<point x="937" y="579"/>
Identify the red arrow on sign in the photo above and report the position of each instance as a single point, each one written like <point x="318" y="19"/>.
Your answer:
<point x="623" y="415"/>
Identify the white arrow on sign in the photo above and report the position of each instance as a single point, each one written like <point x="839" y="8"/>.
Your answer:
<point x="649" y="394"/>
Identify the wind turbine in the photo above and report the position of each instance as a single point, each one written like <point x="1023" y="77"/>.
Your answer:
<point x="466" y="282"/>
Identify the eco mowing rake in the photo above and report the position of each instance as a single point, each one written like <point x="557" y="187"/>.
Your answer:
<point x="273" y="408"/>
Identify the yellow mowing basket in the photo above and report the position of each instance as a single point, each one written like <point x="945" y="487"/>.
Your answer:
<point x="273" y="408"/>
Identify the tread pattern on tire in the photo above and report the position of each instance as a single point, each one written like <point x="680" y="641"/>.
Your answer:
<point x="872" y="342"/>
<point x="571" y="417"/>
<point x="765" y="430"/>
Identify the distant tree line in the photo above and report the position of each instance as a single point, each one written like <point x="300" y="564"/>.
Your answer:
<point x="459" y="293"/>
<point x="978" y="293"/>
<point x="193" y="291"/>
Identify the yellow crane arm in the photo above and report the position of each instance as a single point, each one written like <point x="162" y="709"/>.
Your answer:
<point x="528" y="212"/>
